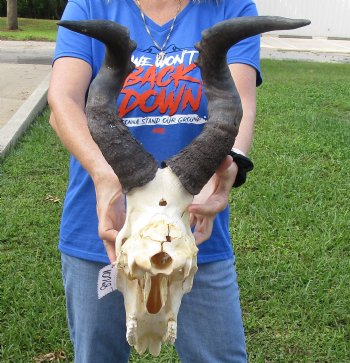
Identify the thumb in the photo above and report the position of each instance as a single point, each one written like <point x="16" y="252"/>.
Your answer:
<point x="110" y="249"/>
<point x="107" y="234"/>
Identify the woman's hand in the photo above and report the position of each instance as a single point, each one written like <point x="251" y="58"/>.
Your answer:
<point x="110" y="211"/>
<point x="212" y="199"/>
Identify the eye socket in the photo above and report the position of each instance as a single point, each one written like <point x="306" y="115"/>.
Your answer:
<point x="163" y="202"/>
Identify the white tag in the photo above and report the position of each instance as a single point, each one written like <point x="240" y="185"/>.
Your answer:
<point x="107" y="280"/>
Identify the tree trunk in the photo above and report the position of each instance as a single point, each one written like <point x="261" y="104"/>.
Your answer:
<point x="12" y="21"/>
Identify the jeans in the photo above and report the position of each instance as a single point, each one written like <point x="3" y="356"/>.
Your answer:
<point x="210" y="328"/>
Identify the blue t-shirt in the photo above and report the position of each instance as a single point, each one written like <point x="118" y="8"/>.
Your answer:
<point x="162" y="102"/>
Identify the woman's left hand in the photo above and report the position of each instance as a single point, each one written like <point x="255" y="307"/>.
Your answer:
<point x="212" y="199"/>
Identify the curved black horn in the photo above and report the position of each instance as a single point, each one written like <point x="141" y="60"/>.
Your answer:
<point x="196" y="163"/>
<point x="129" y="160"/>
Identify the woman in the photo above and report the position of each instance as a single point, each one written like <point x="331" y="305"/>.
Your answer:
<point x="162" y="102"/>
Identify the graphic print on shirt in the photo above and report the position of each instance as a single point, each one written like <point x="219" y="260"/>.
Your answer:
<point x="163" y="92"/>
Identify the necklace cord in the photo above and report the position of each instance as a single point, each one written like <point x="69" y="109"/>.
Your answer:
<point x="160" y="48"/>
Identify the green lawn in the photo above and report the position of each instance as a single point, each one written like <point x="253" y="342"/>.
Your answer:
<point x="29" y="29"/>
<point x="290" y="226"/>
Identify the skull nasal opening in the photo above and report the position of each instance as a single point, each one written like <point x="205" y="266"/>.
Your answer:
<point x="161" y="261"/>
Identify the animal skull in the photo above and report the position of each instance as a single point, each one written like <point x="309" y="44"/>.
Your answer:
<point x="157" y="260"/>
<point x="156" y="249"/>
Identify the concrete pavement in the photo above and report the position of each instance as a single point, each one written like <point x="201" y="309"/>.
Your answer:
<point x="25" y="75"/>
<point x="18" y="83"/>
<point x="25" y="72"/>
<point x="29" y="52"/>
<point x="309" y="49"/>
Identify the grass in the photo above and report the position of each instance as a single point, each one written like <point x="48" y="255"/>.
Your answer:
<point x="290" y="227"/>
<point x="30" y="29"/>
<point x="292" y="222"/>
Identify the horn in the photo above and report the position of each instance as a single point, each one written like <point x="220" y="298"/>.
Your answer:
<point x="131" y="163"/>
<point x="197" y="162"/>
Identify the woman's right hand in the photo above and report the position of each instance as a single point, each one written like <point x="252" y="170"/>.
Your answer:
<point x="110" y="211"/>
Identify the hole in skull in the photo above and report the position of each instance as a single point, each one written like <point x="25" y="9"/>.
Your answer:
<point x="124" y="240"/>
<point x="161" y="260"/>
<point x="154" y="301"/>
<point x="168" y="238"/>
<point x="163" y="202"/>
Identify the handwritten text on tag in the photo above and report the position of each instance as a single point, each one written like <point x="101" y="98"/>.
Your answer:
<point x="107" y="279"/>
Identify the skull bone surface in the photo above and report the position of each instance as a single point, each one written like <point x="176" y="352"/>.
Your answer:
<point x="156" y="250"/>
<point x="157" y="260"/>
